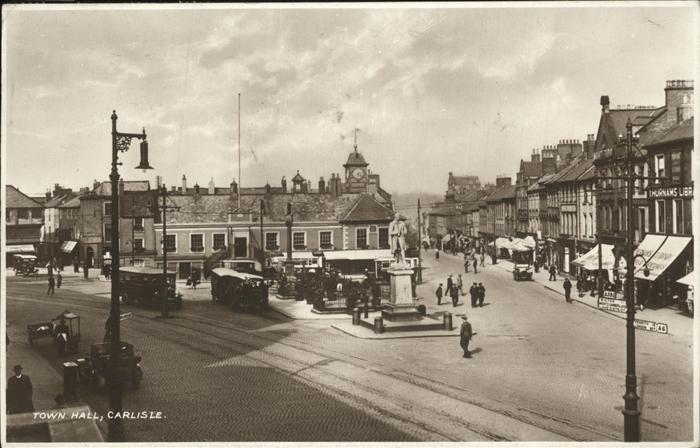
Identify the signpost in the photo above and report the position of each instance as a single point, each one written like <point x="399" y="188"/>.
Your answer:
<point x="647" y="325"/>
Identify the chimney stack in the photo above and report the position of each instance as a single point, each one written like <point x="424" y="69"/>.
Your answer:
<point x="233" y="193"/>
<point x="159" y="182"/>
<point x="605" y="103"/>
<point x="184" y="183"/>
<point x="284" y="184"/>
<point x="321" y="185"/>
<point x="48" y="195"/>
<point x="196" y="189"/>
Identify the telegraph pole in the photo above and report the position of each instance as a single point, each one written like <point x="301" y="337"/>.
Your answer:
<point x="262" y="234"/>
<point x="164" y="312"/>
<point x="419" y="278"/>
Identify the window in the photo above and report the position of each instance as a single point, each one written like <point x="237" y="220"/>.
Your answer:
<point x="271" y="240"/>
<point x="299" y="240"/>
<point x="676" y="166"/>
<point x="361" y="238"/>
<point x="383" y="237"/>
<point x="170" y="243"/>
<point x="138" y="223"/>
<point x="325" y="239"/>
<point x="218" y="241"/>
<point x="138" y="245"/>
<point x="196" y="242"/>
<point x="616" y="219"/>
<point x="108" y="209"/>
<point x="661" y="216"/>
<point x="687" y="168"/>
<point x="660" y="168"/>
<point x="678" y="216"/>
<point x="107" y="231"/>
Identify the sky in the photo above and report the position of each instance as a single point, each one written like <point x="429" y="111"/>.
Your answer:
<point x="470" y="90"/>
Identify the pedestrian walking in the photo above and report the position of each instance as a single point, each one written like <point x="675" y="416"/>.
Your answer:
<point x="438" y="293"/>
<point x="19" y="393"/>
<point x="437" y="253"/>
<point x="475" y="263"/>
<point x="481" y="291"/>
<point x="455" y="296"/>
<point x="552" y="273"/>
<point x="52" y="283"/>
<point x="450" y="284"/>
<point x="483" y="257"/>
<point x="460" y="284"/>
<point x="465" y="336"/>
<point x="59" y="279"/>
<point x="473" y="292"/>
<point x="567" y="290"/>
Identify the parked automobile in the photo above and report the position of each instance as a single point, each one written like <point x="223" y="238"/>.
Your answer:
<point x="93" y="367"/>
<point x="522" y="265"/>
<point x="144" y="286"/>
<point x="25" y="265"/>
<point x="240" y="289"/>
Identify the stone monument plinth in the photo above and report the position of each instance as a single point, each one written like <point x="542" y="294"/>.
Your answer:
<point x="400" y="307"/>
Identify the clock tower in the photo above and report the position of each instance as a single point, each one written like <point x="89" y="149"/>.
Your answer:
<point x="356" y="176"/>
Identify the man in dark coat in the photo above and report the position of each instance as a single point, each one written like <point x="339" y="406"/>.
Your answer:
<point x="567" y="290"/>
<point x="52" y="283"/>
<point x="454" y="293"/>
<point x="465" y="335"/>
<point x="19" y="393"/>
<point x="552" y="273"/>
<point x="474" y="293"/>
<point x="475" y="264"/>
<point x="448" y="292"/>
<point x="438" y="293"/>
<point x="481" y="294"/>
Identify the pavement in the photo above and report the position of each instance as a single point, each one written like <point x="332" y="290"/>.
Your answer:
<point x="46" y="384"/>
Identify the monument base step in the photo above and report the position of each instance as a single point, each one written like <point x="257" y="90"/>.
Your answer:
<point x="401" y="313"/>
<point x="424" y="324"/>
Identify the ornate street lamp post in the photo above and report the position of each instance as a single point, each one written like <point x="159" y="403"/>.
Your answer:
<point x="631" y="410"/>
<point x="120" y="143"/>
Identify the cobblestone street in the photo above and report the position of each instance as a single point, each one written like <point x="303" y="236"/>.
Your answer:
<point x="538" y="372"/>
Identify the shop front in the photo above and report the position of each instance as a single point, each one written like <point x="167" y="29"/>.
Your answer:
<point x="660" y="261"/>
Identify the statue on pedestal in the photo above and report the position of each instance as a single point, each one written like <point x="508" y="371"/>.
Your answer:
<point x="397" y="236"/>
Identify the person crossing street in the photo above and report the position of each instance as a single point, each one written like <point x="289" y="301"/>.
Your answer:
<point x="438" y="293"/>
<point x="481" y="294"/>
<point x="567" y="290"/>
<point x="473" y="292"/>
<point x="465" y="336"/>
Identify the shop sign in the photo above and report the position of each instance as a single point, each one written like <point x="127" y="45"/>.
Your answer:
<point x="670" y="192"/>
<point x="609" y="294"/>
<point x="647" y="325"/>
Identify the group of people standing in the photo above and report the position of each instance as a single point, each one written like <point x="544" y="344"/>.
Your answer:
<point x="478" y="294"/>
<point x="453" y="290"/>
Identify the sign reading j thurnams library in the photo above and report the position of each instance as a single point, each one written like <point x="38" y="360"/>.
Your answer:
<point x="670" y="192"/>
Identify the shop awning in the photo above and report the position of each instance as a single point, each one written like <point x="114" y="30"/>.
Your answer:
<point x="369" y="254"/>
<point x="503" y="243"/>
<point x="689" y="279"/>
<point x="68" y="246"/>
<point x="589" y="261"/>
<point x="19" y="249"/>
<point x="659" y="251"/>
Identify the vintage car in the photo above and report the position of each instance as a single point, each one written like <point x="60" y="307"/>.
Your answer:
<point x="92" y="369"/>
<point x="26" y="265"/>
<point x="240" y="289"/>
<point x="144" y="286"/>
<point x="66" y="339"/>
<point x="522" y="265"/>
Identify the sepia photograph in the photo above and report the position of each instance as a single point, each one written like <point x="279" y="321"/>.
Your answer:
<point x="349" y="224"/>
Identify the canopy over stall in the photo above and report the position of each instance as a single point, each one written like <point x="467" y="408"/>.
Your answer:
<point x="589" y="261"/>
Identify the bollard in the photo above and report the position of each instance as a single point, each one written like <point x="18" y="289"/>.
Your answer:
<point x="70" y="380"/>
<point x="356" y="316"/>
<point x="447" y="321"/>
<point x="378" y="324"/>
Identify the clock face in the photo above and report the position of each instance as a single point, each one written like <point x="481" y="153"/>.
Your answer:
<point x="358" y="173"/>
